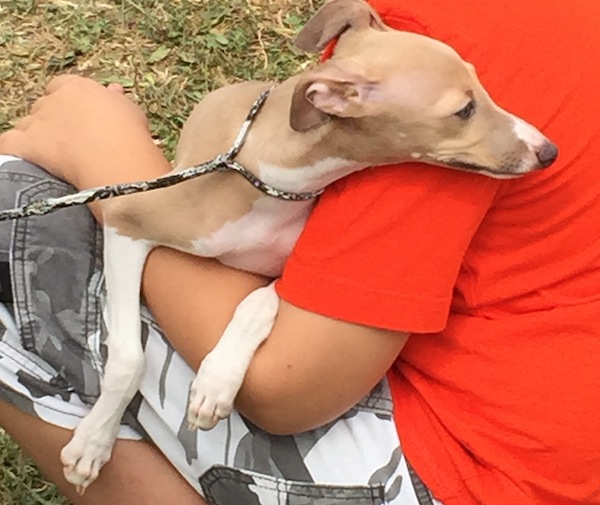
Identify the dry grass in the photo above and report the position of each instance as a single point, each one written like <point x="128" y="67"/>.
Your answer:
<point x="166" y="54"/>
<point x="20" y="481"/>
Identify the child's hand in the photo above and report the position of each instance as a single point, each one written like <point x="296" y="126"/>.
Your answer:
<point x="86" y="134"/>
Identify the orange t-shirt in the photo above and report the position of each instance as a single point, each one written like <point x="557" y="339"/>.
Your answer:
<point x="497" y="398"/>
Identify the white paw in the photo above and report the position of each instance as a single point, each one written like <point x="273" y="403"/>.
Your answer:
<point x="84" y="456"/>
<point x="222" y="371"/>
<point x="213" y="392"/>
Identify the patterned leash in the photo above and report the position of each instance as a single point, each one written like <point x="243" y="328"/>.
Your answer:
<point x="222" y="163"/>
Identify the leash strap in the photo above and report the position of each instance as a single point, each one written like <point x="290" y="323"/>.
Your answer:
<point x="222" y="163"/>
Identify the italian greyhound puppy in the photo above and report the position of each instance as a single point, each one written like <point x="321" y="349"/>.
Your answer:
<point x="384" y="97"/>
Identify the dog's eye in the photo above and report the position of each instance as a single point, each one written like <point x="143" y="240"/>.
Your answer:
<point x="467" y="111"/>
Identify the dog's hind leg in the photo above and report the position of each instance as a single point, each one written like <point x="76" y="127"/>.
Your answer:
<point x="94" y="437"/>
<point x="222" y="371"/>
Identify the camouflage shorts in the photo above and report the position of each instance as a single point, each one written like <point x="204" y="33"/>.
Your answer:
<point x="52" y="356"/>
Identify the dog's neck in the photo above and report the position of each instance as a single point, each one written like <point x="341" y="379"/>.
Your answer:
<point x="311" y="160"/>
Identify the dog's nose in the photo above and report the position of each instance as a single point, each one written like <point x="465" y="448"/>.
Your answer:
<point x="547" y="154"/>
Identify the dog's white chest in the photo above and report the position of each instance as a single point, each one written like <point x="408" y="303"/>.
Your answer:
<point x="259" y="241"/>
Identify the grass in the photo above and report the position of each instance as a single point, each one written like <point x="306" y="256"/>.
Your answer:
<point x="166" y="55"/>
<point x="20" y="481"/>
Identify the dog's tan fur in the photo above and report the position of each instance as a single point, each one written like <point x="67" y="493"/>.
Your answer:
<point x="414" y="86"/>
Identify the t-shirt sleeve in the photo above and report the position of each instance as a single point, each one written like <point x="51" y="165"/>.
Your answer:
<point x="383" y="247"/>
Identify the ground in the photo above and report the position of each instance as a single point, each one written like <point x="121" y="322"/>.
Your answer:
<point x="166" y="55"/>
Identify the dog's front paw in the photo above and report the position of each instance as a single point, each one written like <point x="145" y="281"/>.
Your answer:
<point x="212" y="393"/>
<point x="85" y="454"/>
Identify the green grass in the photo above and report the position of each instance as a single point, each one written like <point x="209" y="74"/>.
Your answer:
<point x="20" y="481"/>
<point x="166" y="54"/>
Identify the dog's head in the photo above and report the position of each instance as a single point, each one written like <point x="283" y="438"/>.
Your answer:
<point x="403" y="96"/>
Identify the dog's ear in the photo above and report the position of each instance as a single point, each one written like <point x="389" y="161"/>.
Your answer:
<point x="325" y="93"/>
<point x="333" y="19"/>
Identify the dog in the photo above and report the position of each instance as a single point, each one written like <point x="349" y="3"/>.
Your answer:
<point x="384" y="97"/>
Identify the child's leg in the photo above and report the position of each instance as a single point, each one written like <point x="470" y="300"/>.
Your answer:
<point x="137" y="473"/>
